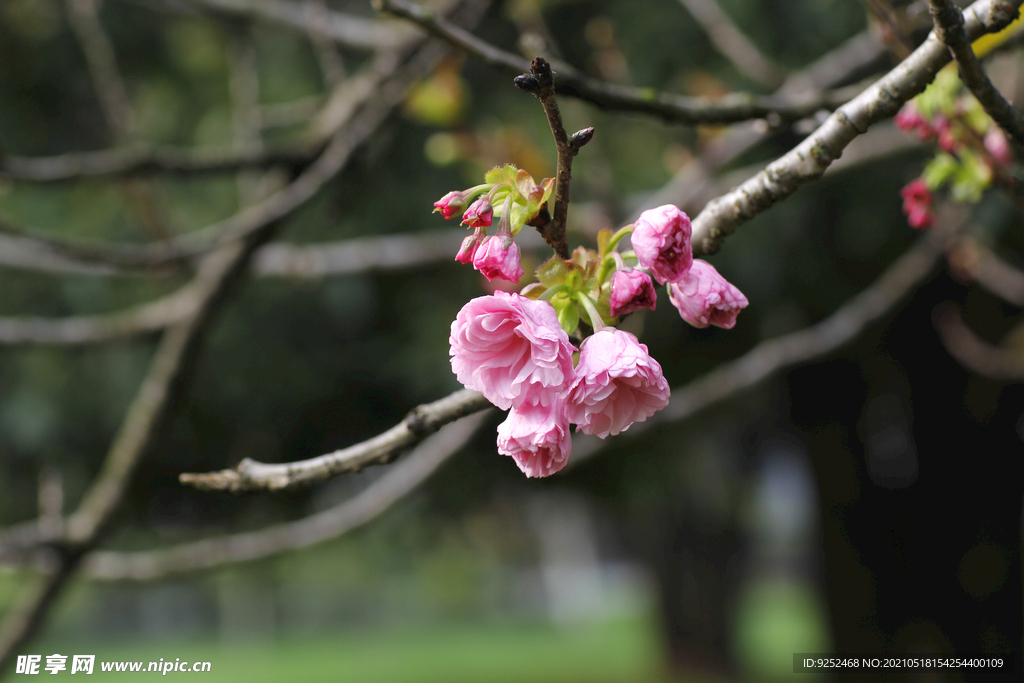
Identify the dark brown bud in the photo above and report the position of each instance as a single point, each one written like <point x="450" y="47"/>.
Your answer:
<point x="528" y="83"/>
<point x="581" y="137"/>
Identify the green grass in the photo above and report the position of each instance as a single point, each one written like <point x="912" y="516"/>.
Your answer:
<point x="606" y="653"/>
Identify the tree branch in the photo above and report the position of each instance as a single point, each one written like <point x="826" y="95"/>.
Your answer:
<point x="808" y="160"/>
<point x="733" y="43"/>
<point x="422" y="421"/>
<point x="972" y="352"/>
<point x="379" y="496"/>
<point x="979" y="263"/>
<point x="611" y="96"/>
<point x="347" y="30"/>
<point x="541" y="83"/>
<point x="949" y="25"/>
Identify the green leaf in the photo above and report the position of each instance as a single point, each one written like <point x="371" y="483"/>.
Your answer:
<point x="569" y="318"/>
<point x="500" y="175"/>
<point x="533" y="290"/>
<point x="603" y="238"/>
<point x="939" y="170"/>
<point x="553" y="272"/>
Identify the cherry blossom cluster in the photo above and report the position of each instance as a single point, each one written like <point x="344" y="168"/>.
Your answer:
<point x="515" y="348"/>
<point x="973" y="150"/>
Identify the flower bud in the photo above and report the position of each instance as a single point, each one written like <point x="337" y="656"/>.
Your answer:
<point x="917" y="204"/>
<point x="469" y="246"/>
<point x="631" y="290"/>
<point x="479" y="214"/>
<point x="451" y="204"/>
<point x="661" y="241"/>
<point x="704" y="297"/>
<point x="498" y="257"/>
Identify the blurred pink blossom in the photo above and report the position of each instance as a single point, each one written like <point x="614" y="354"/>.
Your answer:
<point x="505" y="345"/>
<point x="704" y="297"/>
<point x="917" y="204"/>
<point x="998" y="146"/>
<point x="617" y="383"/>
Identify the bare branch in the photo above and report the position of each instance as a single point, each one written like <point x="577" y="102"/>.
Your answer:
<point x="99" y="56"/>
<point x="92" y="329"/>
<point x="541" y="83"/>
<point x="572" y="82"/>
<point x="972" y="352"/>
<point x="970" y="258"/>
<point x="141" y="161"/>
<point x="346" y="30"/>
<point x="949" y="25"/>
<point x="808" y="160"/>
<point x="422" y="421"/>
<point x="733" y="43"/>
<point x="379" y="496"/>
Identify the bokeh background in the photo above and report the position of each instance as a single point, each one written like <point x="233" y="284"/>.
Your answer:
<point x="866" y="502"/>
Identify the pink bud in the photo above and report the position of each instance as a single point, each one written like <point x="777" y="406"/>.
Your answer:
<point x="909" y="118"/>
<point x="450" y="204"/>
<point x="617" y="383"/>
<point x="507" y="346"/>
<point x="469" y="246"/>
<point x="704" y="297"/>
<point x="998" y="146"/>
<point x="631" y="290"/>
<point x="498" y="257"/>
<point x="917" y="204"/>
<point x="479" y="214"/>
<point x="536" y="436"/>
<point x="661" y="240"/>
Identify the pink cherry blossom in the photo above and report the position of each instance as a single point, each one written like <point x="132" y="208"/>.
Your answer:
<point x="479" y="214"/>
<point x="631" y="291"/>
<point x="661" y="240"/>
<point x="505" y="345"/>
<point x="536" y="436"/>
<point x="704" y="297"/>
<point x="498" y="257"/>
<point x="617" y="383"/>
<point x="451" y="204"/>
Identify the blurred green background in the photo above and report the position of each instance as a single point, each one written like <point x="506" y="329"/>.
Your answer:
<point x="709" y="550"/>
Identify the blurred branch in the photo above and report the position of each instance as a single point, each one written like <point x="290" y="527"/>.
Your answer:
<point x="379" y="496"/>
<point x="808" y="160"/>
<point x="91" y="329"/>
<point x="149" y="409"/>
<point x="949" y="25"/>
<point x="422" y="421"/>
<point x="346" y="30"/>
<point x="140" y="161"/>
<point x="889" y="25"/>
<point x="972" y="352"/>
<point x="980" y="264"/>
<point x="368" y="115"/>
<point x="99" y="57"/>
<point x="734" y="44"/>
<point x="332" y="67"/>
<point x="570" y="81"/>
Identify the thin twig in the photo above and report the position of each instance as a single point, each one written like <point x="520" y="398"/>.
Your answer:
<point x="421" y="422"/>
<point x="972" y="352"/>
<point x="949" y="25"/>
<point x="541" y="82"/>
<point x="808" y="160"/>
<point x="676" y="108"/>
<point x="734" y="44"/>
